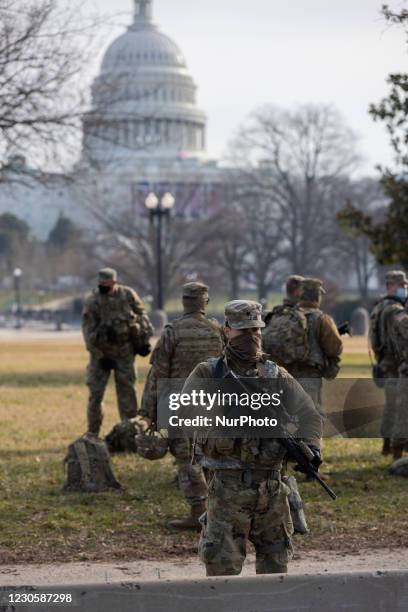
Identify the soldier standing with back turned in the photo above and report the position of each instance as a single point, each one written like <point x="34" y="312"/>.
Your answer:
<point x="115" y="328"/>
<point x="293" y="293"/>
<point x="305" y="340"/>
<point x="183" y="344"/>
<point x="325" y="343"/>
<point x="382" y="325"/>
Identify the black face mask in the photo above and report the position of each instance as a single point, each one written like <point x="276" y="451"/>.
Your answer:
<point x="103" y="289"/>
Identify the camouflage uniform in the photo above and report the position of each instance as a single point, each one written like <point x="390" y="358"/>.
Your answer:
<point x="324" y="343"/>
<point x="276" y="320"/>
<point x="290" y="301"/>
<point x="382" y="327"/>
<point x="183" y="344"/>
<point x="111" y="325"/>
<point x="249" y="501"/>
<point x="399" y="340"/>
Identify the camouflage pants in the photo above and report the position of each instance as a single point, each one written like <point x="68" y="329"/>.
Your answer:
<point x="400" y="423"/>
<point x="191" y="478"/>
<point x="125" y="380"/>
<point x="239" y="511"/>
<point x="390" y="390"/>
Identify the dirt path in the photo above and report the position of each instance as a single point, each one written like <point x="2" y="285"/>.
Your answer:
<point x="101" y="573"/>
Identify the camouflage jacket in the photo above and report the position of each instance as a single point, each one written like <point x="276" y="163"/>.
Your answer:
<point x="112" y="323"/>
<point x="325" y="343"/>
<point x="399" y="340"/>
<point x="382" y="330"/>
<point x="184" y="343"/>
<point x="262" y="452"/>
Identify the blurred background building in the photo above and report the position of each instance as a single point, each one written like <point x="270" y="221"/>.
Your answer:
<point x="144" y="132"/>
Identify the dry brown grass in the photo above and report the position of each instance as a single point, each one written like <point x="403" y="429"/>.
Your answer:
<point x="42" y="410"/>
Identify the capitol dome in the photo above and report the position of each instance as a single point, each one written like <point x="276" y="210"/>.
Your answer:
<point x="142" y="47"/>
<point x="144" y="99"/>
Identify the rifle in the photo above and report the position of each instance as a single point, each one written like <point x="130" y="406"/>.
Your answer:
<point x="344" y="329"/>
<point x="296" y="449"/>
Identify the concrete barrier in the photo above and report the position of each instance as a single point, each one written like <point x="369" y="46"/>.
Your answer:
<point x="359" y="592"/>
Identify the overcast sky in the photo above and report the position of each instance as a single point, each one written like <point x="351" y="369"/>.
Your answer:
<point x="245" y="53"/>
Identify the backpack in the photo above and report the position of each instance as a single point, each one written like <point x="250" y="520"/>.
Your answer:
<point x="285" y="338"/>
<point x="122" y="438"/>
<point x="89" y="467"/>
<point x="400" y="467"/>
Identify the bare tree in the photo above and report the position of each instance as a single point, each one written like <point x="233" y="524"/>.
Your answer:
<point x="125" y="238"/>
<point x="226" y="247"/>
<point x="354" y="248"/>
<point x="293" y="159"/>
<point x="44" y="52"/>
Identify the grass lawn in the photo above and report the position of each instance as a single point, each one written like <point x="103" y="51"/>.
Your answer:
<point x="42" y="410"/>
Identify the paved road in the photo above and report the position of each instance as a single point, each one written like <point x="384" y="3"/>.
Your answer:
<point x="316" y="562"/>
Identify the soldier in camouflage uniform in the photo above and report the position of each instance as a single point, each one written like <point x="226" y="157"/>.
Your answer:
<point x="115" y="328"/>
<point x="293" y="293"/>
<point x="324" y="343"/>
<point x="399" y="344"/>
<point x="249" y="500"/>
<point x="382" y="327"/>
<point x="183" y="344"/>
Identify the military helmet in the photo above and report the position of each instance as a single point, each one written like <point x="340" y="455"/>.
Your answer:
<point x="151" y="445"/>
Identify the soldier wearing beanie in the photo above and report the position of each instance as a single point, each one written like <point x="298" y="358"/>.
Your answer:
<point x="383" y="329"/>
<point x="115" y="328"/>
<point x="247" y="497"/>
<point x="184" y="343"/>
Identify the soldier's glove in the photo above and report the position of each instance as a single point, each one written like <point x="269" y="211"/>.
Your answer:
<point x="107" y="364"/>
<point x="316" y="462"/>
<point x="144" y="350"/>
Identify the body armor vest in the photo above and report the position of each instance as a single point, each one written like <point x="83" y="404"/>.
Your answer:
<point x="241" y="453"/>
<point x="196" y="338"/>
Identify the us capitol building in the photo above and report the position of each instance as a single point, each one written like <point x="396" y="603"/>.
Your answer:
<point x="143" y="133"/>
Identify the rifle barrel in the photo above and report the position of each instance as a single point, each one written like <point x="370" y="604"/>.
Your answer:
<point x="324" y="485"/>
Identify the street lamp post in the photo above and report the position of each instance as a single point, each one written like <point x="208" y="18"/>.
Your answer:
<point x="17" y="291"/>
<point x="159" y="209"/>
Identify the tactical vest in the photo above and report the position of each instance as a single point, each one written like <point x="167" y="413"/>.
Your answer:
<point x="240" y="453"/>
<point x="196" y="338"/>
<point x="381" y="344"/>
<point x="116" y="319"/>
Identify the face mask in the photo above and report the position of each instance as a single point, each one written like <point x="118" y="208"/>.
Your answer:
<point x="402" y="293"/>
<point x="246" y="346"/>
<point x="103" y="289"/>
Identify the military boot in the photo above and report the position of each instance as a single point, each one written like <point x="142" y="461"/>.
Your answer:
<point x="386" y="449"/>
<point x="398" y="450"/>
<point x="189" y="522"/>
